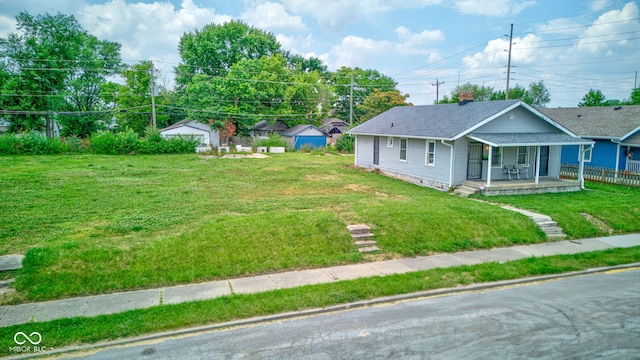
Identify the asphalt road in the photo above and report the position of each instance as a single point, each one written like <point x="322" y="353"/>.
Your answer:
<point x="584" y="317"/>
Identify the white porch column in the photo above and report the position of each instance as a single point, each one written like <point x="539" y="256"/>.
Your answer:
<point x="489" y="165"/>
<point x="581" y="166"/>
<point x="537" y="176"/>
<point x="617" y="161"/>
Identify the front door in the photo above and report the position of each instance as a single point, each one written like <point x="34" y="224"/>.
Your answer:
<point x="544" y="161"/>
<point x="376" y="150"/>
<point x="474" y="165"/>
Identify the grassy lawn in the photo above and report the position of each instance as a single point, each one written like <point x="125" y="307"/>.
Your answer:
<point x="65" y="332"/>
<point x="95" y="224"/>
<point x="601" y="210"/>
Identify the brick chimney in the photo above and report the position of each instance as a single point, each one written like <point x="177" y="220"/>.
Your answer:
<point x="465" y="96"/>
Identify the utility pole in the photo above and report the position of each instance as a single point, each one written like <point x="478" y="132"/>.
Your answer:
<point x="153" y="97"/>
<point x="351" y="102"/>
<point x="635" y="82"/>
<point x="437" y="85"/>
<point x="506" y="95"/>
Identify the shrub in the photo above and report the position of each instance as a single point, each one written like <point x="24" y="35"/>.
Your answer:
<point x="103" y="142"/>
<point x="273" y="140"/>
<point x="346" y="143"/>
<point x="9" y="145"/>
<point x="127" y="142"/>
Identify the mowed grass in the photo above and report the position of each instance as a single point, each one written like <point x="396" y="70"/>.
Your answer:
<point x="602" y="209"/>
<point x="95" y="224"/>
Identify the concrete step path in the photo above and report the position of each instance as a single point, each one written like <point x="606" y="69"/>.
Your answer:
<point x="544" y="222"/>
<point x="119" y="302"/>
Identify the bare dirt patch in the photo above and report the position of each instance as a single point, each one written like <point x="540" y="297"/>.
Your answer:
<point x="357" y="187"/>
<point x="603" y="226"/>
<point x="322" y="177"/>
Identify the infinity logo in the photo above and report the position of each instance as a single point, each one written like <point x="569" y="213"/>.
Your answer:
<point x="27" y="338"/>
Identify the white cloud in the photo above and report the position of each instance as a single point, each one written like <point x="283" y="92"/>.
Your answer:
<point x="11" y="8"/>
<point x="146" y="31"/>
<point x="599" y="5"/>
<point x="608" y="32"/>
<point x="356" y="51"/>
<point x="493" y="7"/>
<point x="273" y="17"/>
<point x="415" y="43"/>
<point x="495" y="54"/>
<point x="336" y="15"/>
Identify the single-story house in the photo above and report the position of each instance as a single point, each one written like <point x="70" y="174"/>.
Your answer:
<point x="264" y="128"/>
<point x="207" y="136"/>
<point x="483" y="145"/>
<point x="334" y="128"/>
<point x="305" y="135"/>
<point x="615" y="131"/>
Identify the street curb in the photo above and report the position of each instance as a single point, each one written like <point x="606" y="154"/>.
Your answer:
<point x="318" y="311"/>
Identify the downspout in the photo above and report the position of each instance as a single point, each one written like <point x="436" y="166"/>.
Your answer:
<point x="451" y="167"/>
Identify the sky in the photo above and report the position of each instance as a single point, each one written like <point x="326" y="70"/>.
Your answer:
<point x="572" y="45"/>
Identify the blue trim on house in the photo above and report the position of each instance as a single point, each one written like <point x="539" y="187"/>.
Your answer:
<point x="603" y="154"/>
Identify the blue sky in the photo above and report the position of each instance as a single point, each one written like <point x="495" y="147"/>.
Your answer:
<point x="572" y="45"/>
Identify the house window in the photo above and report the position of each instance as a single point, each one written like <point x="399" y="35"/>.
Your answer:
<point x="523" y="155"/>
<point x="430" y="158"/>
<point x="403" y="149"/>
<point x="496" y="157"/>
<point x="389" y="142"/>
<point x="587" y="155"/>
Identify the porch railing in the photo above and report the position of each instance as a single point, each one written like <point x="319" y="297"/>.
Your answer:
<point x="600" y="174"/>
<point x="633" y="166"/>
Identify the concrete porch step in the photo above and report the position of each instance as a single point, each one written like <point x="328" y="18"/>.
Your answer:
<point x="465" y="191"/>
<point x="362" y="237"/>
<point x="369" y="249"/>
<point x="365" y="243"/>
<point x="358" y="229"/>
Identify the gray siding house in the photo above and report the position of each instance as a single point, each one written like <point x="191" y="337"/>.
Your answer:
<point x="482" y="143"/>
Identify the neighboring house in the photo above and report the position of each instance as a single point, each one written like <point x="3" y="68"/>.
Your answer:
<point x="446" y="145"/>
<point x="208" y="137"/>
<point x="4" y="126"/>
<point x="264" y="128"/>
<point x="334" y="128"/>
<point x="614" y="129"/>
<point x="305" y="135"/>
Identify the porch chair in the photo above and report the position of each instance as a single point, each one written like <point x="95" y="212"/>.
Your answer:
<point x="511" y="170"/>
<point x="521" y="169"/>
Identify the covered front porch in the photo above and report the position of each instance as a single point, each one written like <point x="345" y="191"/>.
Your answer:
<point x="522" y="163"/>
<point x="522" y="186"/>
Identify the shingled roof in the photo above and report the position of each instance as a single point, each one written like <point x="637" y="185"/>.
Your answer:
<point x="608" y="122"/>
<point x="443" y="121"/>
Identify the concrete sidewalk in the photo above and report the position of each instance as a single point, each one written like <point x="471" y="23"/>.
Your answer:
<point x="119" y="302"/>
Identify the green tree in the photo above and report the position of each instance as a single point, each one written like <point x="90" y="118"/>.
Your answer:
<point x="364" y="83"/>
<point x="309" y="97"/>
<point x="593" y="98"/>
<point x="480" y="93"/>
<point x="380" y="101"/>
<point x="216" y="48"/>
<point x="253" y="90"/>
<point x="131" y="102"/>
<point x="538" y="94"/>
<point x="298" y="63"/>
<point x="100" y="60"/>
<point x="44" y="61"/>
<point x="635" y="97"/>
